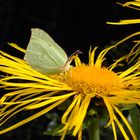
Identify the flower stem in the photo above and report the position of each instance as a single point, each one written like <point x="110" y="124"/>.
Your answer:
<point x="94" y="130"/>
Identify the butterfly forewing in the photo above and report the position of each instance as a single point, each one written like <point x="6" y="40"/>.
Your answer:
<point x="43" y="54"/>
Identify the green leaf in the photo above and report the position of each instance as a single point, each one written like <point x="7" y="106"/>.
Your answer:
<point x="126" y="106"/>
<point x="54" y="131"/>
<point x="135" y="118"/>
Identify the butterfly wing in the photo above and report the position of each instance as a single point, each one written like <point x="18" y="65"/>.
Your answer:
<point x="43" y="54"/>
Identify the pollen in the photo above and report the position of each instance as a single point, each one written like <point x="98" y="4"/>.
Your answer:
<point x="92" y="80"/>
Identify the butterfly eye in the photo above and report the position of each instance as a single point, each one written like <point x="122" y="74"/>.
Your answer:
<point x="70" y="59"/>
<point x="73" y="55"/>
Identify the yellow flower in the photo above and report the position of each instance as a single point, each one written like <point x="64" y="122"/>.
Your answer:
<point x="83" y="84"/>
<point x="135" y="4"/>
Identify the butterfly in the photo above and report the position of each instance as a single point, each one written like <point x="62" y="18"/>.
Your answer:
<point x="45" y="55"/>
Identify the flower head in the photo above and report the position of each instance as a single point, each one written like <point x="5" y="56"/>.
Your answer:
<point x="83" y="83"/>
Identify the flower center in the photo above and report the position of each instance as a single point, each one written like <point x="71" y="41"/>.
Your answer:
<point x="92" y="80"/>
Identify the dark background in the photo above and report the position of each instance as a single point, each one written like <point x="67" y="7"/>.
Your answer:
<point x="74" y="24"/>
